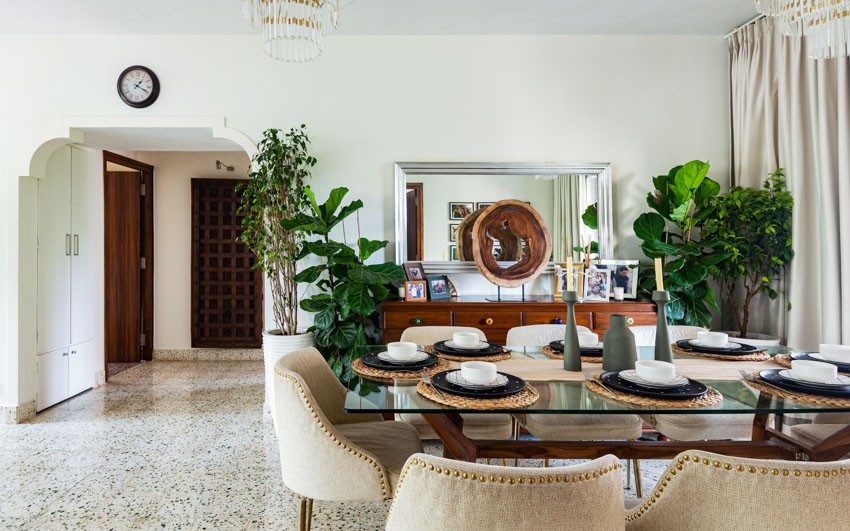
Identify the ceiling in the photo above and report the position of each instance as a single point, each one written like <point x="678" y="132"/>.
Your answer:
<point x="156" y="139"/>
<point x="389" y="17"/>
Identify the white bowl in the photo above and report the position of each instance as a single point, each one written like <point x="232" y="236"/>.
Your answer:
<point x="588" y="339"/>
<point x="401" y="350"/>
<point x="839" y="353"/>
<point x="655" y="371"/>
<point x="465" y="339"/>
<point x="478" y="372"/>
<point x="814" y="371"/>
<point x="713" y="339"/>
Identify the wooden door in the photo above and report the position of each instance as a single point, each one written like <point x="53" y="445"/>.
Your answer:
<point x="227" y="292"/>
<point x="52" y="371"/>
<point x="122" y="268"/>
<point x="415" y="222"/>
<point x="85" y="248"/>
<point x="54" y="253"/>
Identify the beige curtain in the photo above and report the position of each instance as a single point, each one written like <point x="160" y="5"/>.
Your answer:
<point x="569" y="198"/>
<point x="794" y="112"/>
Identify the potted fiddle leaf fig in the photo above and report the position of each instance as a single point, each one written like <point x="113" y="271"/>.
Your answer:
<point x="682" y="201"/>
<point x="274" y="193"/>
<point x="345" y="308"/>
<point x="753" y="227"/>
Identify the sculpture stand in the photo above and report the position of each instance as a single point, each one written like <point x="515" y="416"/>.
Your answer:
<point x="663" y="352"/>
<point x="509" y="298"/>
<point x="572" y="352"/>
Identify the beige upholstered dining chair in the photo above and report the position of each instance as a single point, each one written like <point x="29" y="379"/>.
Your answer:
<point x="701" y="490"/>
<point x="823" y="426"/>
<point x="475" y="425"/>
<point x="549" y="427"/>
<point x="328" y="454"/>
<point x="437" y="493"/>
<point x="692" y="427"/>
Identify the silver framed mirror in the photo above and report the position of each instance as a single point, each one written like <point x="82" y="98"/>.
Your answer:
<point x="432" y="198"/>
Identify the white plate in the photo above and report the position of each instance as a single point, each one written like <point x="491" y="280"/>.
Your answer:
<point x="819" y="356"/>
<point x="841" y="380"/>
<point x="729" y="344"/>
<point x="598" y="345"/>
<point x="632" y="376"/>
<point x="419" y="357"/>
<point x="456" y="378"/>
<point x="481" y="345"/>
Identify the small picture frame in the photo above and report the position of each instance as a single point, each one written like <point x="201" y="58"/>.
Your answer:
<point x="458" y="210"/>
<point x="624" y="274"/>
<point x="453" y="253"/>
<point x="560" y="279"/>
<point x="597" y="284"/>
<point x="497" y="250"/>
<point x="416" y="291"/>
<point x="453" y="231"/>
<point x="414" y="271"/>
<point x="480" y="205"/>
<point x="439" y="288"/>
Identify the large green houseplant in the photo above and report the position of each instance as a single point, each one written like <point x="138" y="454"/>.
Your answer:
<point x="346" y="306"/>
<point x="274" y="193"/>
<point x="753" y="227"/>
<point x="682" y="201"/>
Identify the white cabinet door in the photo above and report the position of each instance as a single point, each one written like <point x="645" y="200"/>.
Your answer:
<point x="81" y="367"/>
<point x="52" y="370"/>
<point x="85" y="174"/>
<point x="54" y="253"/>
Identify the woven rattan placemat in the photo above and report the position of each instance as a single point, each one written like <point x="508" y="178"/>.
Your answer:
<point x="755" y="356"/>
<point x="753" y="380"/>
<point x="524" y="398"/>
<point x="553" y="354"/>
<point x="388" y="376"/>
<point x="505" y="355"/>
<point x="711" y="398"/>
<point x="783" y="359"/>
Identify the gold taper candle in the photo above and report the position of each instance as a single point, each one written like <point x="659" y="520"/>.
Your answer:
<point x="569" y="286"/>
<point x="659" y="276"/>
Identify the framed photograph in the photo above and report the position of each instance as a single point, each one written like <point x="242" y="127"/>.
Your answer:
<point x="438" y="287"/>
<point x="453" y="253"/>
<point x="497" y="251"/>
<point x="560" y="279"/>
<point x="460" y="210"/>
<point x="453" y="231"/>
<point x="414" y="270"/>
<point x="479" y="206"/>
<point x="597" y="284"/>
<point x="415" y="291"/>
<point x="624" y="274"/>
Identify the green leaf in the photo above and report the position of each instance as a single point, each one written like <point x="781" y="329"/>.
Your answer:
<point x="681" y="212"/>
<point x="359" y="273"/>
<point x="324" y="318"/>
<point x="311" y="197"/>
<point x="310" y="274"/>
<point x="360" y="300"/>
<point x="388" y="270"/>
<point x="590" y="217"/>
<point x="343" y="335"/>
<point x="379" y="292"/>
<point x="368" y="247"/>
<point x="689" y="178"/>
<point x="345" y="212"/>
<point x="317" y="303"/>
<point x="332" y="204"/>
<point x="706" y="191"/>
<point x="649" y="226"/>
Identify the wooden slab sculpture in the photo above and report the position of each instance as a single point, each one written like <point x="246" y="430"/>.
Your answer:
<point x="510" y="245"/>
<point x="511" y="223"/>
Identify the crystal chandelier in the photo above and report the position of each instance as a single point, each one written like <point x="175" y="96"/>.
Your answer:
<point x="293" y="30"/>
<point x="825" y="23"/>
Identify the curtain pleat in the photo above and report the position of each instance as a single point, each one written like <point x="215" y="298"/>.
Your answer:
<point x="569" y="198"/>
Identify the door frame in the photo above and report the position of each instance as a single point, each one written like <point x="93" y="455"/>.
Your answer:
<point x="147" y="236"/>
<point x="420" y="219"/>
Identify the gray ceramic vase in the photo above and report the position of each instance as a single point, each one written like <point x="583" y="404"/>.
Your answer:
<point x="619" y="352"/>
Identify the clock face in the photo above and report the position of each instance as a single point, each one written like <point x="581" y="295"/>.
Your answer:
<point x="138" y="86"/>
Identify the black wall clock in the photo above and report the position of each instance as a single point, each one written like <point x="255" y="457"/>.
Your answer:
<point x="138" y="86"/>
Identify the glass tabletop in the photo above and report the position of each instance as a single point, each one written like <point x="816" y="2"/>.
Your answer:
<point x="573" y="396"/>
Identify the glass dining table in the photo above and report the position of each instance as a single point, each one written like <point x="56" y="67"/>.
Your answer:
<point x="567" y="393"/>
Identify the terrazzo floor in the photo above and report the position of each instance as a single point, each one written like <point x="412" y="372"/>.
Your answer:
<point x="166" y="445"/>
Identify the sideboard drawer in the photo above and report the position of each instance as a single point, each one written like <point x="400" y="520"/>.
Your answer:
<point x="555" y="317"/>
<point x="425" y="317"/>
<point x="488" y="319"/>
<point x="603" y="320"/>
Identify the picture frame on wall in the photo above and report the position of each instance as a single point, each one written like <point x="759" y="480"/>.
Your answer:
<point x="597" y="284"/>
<point x="416" y="291"/>
<point x="624" y="274"/>
<point x="453" y="231"/>
<point x="439" y="288"/>
<point x="459" y="210"/>
<point x="414" y="271"/>
<point x="453" y="253"/>
<point x="480" y="205"/>
<point x="560" y="279"/>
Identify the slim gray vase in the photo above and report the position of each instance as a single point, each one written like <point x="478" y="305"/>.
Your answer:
<point x="572" y="352"/>
<point x="663" y="352"/>
<point x="618" y="350"/>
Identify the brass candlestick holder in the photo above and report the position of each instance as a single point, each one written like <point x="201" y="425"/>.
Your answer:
<point x="663" y="352"/>
<point x="572" y="352"/>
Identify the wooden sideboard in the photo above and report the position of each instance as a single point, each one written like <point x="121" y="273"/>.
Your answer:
<point x="496" y="318"/>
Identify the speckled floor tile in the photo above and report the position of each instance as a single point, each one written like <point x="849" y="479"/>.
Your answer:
<point x="167" y="445"/>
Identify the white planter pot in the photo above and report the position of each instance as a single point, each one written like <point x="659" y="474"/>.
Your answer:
<point x="757" y="340"/>
<point x="275" y="346"/>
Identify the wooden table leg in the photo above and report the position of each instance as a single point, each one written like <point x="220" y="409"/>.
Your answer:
<point x="449" y="428"/>
<point x="833" y="447"/>
<point x="760" y="426"/>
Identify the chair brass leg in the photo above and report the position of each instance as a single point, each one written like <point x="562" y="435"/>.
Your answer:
<point x="628" y="473"/>
<point x="638" y="484"/>
<point x="504" y="462"/>
<point x="546" y="462"/>
<point x="309" y="513"/>
<point x="302" y="514"/>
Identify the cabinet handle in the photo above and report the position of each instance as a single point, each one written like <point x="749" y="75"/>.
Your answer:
<point x="557" y="320"/>
<point x="76" y="244"/>
<point x="630" y="321"/>
<point x="417" y="321"/>
<point x="488" y="321"/>
<point x="65" y="354"/>
<point x="73" y="352"/>
<point x="67" y="245"/>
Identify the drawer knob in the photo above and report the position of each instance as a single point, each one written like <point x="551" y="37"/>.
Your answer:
<point x="417" y="321"/>
<point x="630" y="321"/>
<point x="557" y="320"/>
<point x="488" y="321"/>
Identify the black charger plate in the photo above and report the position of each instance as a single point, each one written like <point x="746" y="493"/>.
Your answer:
<point x="692" y="389"/>
<point x="558" y="346"/>
<point x="772" y="376"/>
<point x="515" y="385"/>
<point x="372" y="360"/>
<point x="685" y="344"/>
<point x="842" y="367"/>
<point x="490" y="350"/>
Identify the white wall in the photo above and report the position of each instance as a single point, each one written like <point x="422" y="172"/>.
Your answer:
<point x="172" y="229"/>
<point x="642" y="103"/>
